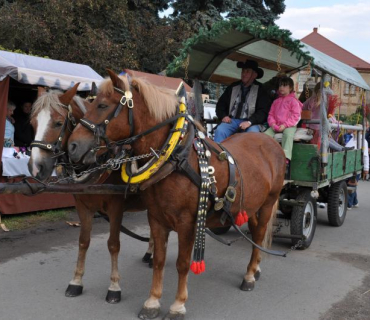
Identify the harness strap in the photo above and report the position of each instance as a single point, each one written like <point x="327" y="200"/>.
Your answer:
<point x="131" y="140"/>
<point x="198" y="265"/>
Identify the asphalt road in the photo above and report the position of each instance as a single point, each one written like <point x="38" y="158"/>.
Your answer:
<point x="328" y="281"/>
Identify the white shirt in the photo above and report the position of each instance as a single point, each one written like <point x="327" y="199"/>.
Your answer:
<point x="353" y="143"/>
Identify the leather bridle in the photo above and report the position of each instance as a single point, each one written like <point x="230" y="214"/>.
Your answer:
<point x="99" y="130"/>
<point x="56" y="146"/>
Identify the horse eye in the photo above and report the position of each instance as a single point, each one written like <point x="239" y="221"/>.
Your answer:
<point x="58" y="124"/>
<point x="102" y="106"/>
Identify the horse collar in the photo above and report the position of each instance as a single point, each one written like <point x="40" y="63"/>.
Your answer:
<point x="156" y="163"/>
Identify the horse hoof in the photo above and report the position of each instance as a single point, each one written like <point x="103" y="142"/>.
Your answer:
<point x="147" y="257"/>
<point x="257" y="275"/>
<point x="73" y="290"/>
<point x="151" y="263"/>
<point x="247" y="285"/>
<point x="113" y="296"/>
<point x="146" y="313"/>
<point x="174" y="316"/>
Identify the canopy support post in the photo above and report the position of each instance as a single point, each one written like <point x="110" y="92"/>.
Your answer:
<point x="324" y="127"/>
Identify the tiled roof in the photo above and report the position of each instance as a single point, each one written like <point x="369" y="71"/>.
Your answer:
<point x="319" y="42"/>
<point x="158" y="80"/>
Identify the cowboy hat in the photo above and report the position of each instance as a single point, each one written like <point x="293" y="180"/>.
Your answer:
<point x="251" y="64"/>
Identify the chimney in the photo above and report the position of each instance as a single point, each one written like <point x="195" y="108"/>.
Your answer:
<point x="315" y="30"/>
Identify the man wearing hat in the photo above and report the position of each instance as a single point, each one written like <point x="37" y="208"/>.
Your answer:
<point x="244" y="105"/>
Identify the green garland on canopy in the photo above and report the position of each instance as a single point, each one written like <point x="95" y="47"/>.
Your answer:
<point x="242" y="24"/>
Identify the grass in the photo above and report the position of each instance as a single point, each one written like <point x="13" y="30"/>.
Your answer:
<point x="29" y="220"/>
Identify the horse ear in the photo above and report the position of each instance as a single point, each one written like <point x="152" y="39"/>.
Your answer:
<point x="117" y="82"/>
<point x="67" y="96"/>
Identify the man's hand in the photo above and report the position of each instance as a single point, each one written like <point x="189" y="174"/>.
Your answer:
<point x="226" y="119"/>
<point x="245" y="125"/>
<point x="364" y="174"/>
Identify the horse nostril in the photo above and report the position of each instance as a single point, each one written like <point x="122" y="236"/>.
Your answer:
<point x="72" y="148"/>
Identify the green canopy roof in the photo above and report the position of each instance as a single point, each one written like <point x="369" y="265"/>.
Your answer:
<point x="213" y="54"/>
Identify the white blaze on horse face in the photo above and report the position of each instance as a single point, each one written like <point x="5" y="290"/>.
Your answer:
<point x="43" y="119"/>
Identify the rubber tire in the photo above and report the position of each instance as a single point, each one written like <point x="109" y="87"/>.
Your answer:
<point x="220" y="230"/>
<point x="337" y="190"/>
<point x="298" y="216"/>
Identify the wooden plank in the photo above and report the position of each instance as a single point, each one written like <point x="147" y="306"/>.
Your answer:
<point x="337" y="164"/>
<point x="350" y="161"/>
<point x="304" y="164"/>
<point x="358" y="165"/>
<point x="329" y="170"/>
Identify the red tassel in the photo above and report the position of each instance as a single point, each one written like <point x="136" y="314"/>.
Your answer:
<point x="198" y="267"/>
<point x="193" y="267"/>
<point x="245" y="216"/>
<point x="202" y="266"/>
<point x="239" y="221"/>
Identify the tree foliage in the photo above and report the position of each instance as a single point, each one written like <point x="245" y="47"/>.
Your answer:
<point x="117" y="33"/>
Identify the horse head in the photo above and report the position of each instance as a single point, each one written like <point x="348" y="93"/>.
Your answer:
<point x="121" y="110"/>
<point x="54" y="115"/>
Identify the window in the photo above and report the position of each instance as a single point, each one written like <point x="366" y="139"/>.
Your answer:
<point x="349" y="89"/>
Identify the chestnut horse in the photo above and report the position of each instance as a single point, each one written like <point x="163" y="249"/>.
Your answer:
<point x="52" y="120"/>
<point x="260" y="160"/>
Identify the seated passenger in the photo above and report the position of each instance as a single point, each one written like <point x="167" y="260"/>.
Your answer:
<point x="313" y="104"/>
<point x="244" y="105"/>
<point x="23" y="130"/>
<point x="9" y="126"/>
<point x="284" y="116"/>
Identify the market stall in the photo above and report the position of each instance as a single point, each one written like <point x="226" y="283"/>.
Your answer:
<point x="21" y="76"/>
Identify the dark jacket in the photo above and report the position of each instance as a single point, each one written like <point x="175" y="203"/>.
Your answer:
<point x="23" y="135"/>
<point x="263" y="104"/>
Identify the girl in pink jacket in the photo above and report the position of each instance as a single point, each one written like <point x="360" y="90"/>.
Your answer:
<point x="284" y="116"/>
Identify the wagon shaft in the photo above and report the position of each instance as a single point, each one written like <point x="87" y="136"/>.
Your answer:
<point x="23" y="188"/>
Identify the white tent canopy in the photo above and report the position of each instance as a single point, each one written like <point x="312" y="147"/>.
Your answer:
<point x="46" y="72"/>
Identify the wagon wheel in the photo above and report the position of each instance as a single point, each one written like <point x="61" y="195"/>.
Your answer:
<point x="304" y="218"/>
<point x="337" y="203"/>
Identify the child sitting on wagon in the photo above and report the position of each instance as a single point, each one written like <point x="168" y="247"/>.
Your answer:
<point x="284" y="116"/>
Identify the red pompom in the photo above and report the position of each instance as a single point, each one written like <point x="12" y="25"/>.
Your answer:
<point x="202" y="266"/>
<point x="193" y="267"/>
<point x="245" y="216"/>
<point x="198" y="267"/>
<point x="241" y="218"/>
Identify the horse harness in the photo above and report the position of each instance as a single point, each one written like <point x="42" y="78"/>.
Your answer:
<point x="174" y="156"/>
<point x="56" y="146"/>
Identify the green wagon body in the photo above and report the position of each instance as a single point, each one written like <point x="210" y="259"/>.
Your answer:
<point x="305" y="166"/>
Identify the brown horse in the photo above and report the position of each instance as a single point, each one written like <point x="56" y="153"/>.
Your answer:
<point x="53" y="124"/>
<point x="173" y="201"/>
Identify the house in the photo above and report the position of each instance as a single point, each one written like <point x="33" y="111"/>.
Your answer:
<point x="349" y="95"/>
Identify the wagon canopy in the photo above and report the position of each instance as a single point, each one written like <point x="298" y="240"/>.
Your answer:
<point x="46" y="72"/>
<point x="213" y="54"/>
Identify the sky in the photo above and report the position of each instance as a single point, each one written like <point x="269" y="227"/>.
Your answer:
<point x="346" y="23"/>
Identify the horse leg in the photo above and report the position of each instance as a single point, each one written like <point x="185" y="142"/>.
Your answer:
<point x="75" y="286"/>
<point x="177" y="310"/>
<point x="160" y="235"/>
<point x="149" y="253"/>
<point x="115" y="220"/>
<point x="258" y="227"/>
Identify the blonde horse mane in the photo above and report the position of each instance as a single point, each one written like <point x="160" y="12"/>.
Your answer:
<point x="50" y="100"/>
<point x="161" y="102"/>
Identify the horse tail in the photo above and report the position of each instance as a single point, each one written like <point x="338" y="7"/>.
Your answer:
<point x="270" y="226"/>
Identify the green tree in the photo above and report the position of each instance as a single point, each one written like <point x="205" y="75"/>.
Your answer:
<point x="116" y="34"/>
<point x="265" y="11"/>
